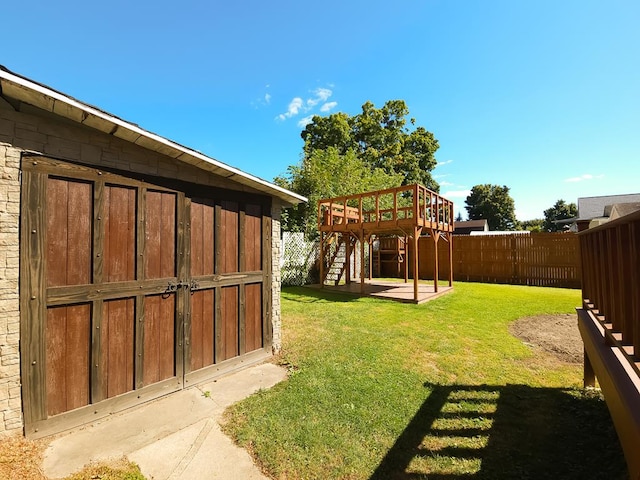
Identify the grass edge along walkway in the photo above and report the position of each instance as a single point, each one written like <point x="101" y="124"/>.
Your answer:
<point x="381" y="390"/>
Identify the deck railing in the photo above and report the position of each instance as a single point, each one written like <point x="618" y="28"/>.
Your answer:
<point x="611" y="281"/>
<point x="394" y="207"/>
<point x="609" y="323"/>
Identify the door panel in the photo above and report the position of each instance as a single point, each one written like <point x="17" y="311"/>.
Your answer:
<point x="229" y="341"/>
<point x="69" y="216"/>
<point x="229" y="237"/>
<point x="253" y="317"/>
<point x="119" y="233"/>
<point x="202" y="329"/>
<point x="159" y="338"/>
<point x="202" y="239"/>
<point x="253" y="238"/>
<point x="160" y="231"/>
<point x="68" y="334"/>
<point x="117" y="338"/>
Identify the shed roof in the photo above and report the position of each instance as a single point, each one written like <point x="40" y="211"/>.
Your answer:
<point x="25" y="90"/>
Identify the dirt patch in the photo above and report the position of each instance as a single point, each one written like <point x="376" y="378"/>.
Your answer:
<point x="556" y="334"/>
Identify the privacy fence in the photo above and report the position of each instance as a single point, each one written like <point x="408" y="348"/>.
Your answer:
<point x="540" y="259"/>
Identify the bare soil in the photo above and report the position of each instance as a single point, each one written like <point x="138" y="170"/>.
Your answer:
<point x="556" y="334"/>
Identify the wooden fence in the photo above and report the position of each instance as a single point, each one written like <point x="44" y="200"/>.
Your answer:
<point x="609" y="322"/>
<point x="540" y="259"/>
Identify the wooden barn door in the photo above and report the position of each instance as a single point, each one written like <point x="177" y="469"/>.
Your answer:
<point x="229" y="275"/>
<point x="101" y="312"/>
<point x="131" y="290"/>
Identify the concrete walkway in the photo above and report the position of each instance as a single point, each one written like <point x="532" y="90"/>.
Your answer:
<point x="175" y="437"/>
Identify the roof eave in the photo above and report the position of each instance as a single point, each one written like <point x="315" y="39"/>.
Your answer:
<point x="45" y="98"/>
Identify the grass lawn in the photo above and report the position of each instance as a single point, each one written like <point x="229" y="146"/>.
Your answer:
<point x="384" y="390"/>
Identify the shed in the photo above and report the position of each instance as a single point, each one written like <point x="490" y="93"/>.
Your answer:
<point x="131" y="266"/>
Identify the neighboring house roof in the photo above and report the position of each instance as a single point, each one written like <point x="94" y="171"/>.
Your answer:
<point x="468" y="226"/>
<point x="41" y="96"/>
<point x="595" y="207"/>
<point x="621" y="209"/>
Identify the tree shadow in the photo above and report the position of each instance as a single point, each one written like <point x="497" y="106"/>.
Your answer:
<point x="310" y="294"/>
<point x="506" y="432"/>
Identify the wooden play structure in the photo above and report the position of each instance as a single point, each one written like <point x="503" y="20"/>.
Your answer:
<point x="394" y="216"/>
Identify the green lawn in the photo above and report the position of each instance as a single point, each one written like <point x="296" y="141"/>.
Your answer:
<point x="380" y="390"/>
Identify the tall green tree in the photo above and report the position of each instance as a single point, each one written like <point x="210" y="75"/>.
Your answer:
<point x="328" y="173"/>
<point x="493" y="203"/>
<point x="381" y="137"/>
<point x="561" y="210"/>
<point x="342" y="155"/>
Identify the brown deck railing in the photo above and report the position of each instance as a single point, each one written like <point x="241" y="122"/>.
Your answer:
<point x="390" y="209"/>
<point x="609" y="323"/>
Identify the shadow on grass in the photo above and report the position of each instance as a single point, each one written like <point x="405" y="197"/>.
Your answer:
<point x="311" y="294"/>
<point x="506" y="432"/>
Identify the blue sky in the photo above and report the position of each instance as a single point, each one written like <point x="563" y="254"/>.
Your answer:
<point x="541" y="96"/>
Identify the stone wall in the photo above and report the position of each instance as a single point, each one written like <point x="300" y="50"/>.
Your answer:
<point x="276" y="245"/>
<point x="10" y="399"/>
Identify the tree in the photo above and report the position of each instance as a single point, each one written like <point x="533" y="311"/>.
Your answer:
<point x="560" y="211"/>
<point x="381" y="138"/>
<point x="327" y="173"/>
<point x="344" y="155"/>
<point x="493" y="203"/>
<point x="534" y="226"/>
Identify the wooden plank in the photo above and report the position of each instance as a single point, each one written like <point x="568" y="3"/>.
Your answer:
<point x="67" y="338"/>
<point x="104" y="291"/>
<point x="253" y="238"/>
<point x="120" y="231"/>
<point x="98" y="391"/>
<point x="168" y="235"/>
<point x="57" y="238"/>
<point x="229" y="237"/>
<point x="159" y="340"/>
<point x="182" y="312"/>
<point x="196" y="251"/>
<point x="229" y="319"/>
<point x="116" y="371"/>
<point x="56" y="357"/>
<point x="153" y="241"/>
<point x="241" y="319"/>
<point x="98" y="231"/>
<point x="33" y="309"/>
<point x="139" y="339"/>
<point x="253" y="317"/>
<point x="202" y="329"/>
<point x="69" y="218"/>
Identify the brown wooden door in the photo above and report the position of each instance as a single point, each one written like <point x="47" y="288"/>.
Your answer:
<point x="130" y="290"/>
<point x="229" y="274"/>
<point x="102" y="323"/>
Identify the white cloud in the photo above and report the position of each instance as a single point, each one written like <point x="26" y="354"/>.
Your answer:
<point x="328" y="106"/>
<point x="445" y="184"/>
<point x="294" y="108"/>
<point x="457" y="194"/>
<point x="446" y="162"/>
<point x="303" y="122"/>
<point x="267" y="98"/>
<point x="323" y="94"/>
<point x="298" y="105"/>
<point x="586" y="176"/>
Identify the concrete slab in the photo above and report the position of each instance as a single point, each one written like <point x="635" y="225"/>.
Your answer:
<point x="175" y="437"/>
